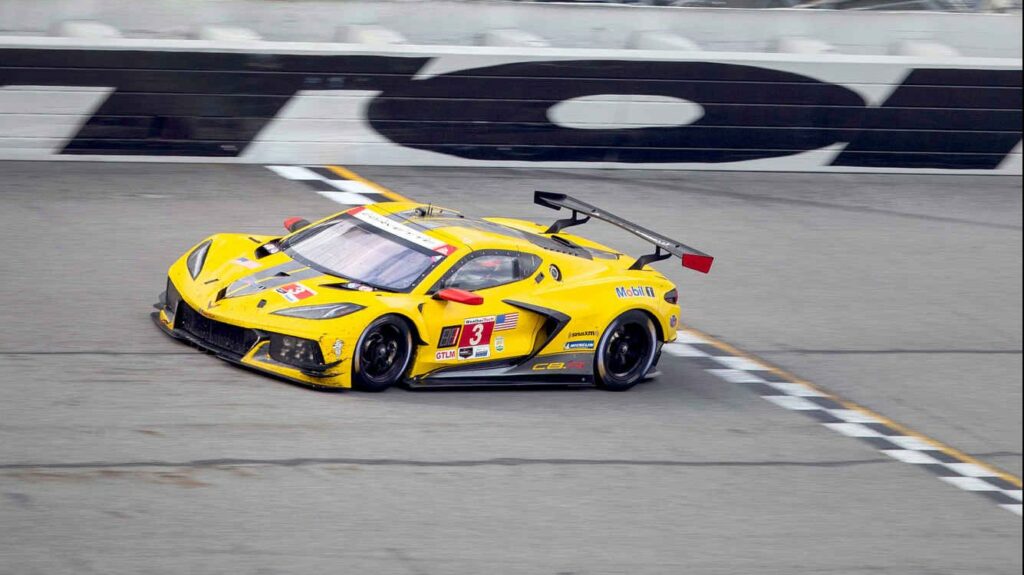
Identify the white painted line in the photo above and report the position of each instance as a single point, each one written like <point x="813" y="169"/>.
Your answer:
<point x="970" y="469"/>
<point x="736" y="376"/>
<point x="852" y="416"/>
<point x="794" y="403"/>
<point x="796" y="389"/>
<point x="689" y="337"/>
<point x="682" y="350"/>
<point x="353" y="186"/>
<point x="970" y="483"/>
<point x="1012" y="508"/>
<point x="1015" y="493"/>
<point x="910" y="456"/>
<point x="853" y="430"/>
<point x="911" y="442"/>
<point x="733" y="362"/>
<point x="347" y="198"/>
<point x="295" y="172"/>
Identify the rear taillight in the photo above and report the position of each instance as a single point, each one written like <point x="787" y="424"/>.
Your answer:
<point x="672" y="296"/>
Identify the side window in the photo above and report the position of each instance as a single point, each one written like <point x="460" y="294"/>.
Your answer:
<point x="489" y="269"/>
<point x="528" y="263"/>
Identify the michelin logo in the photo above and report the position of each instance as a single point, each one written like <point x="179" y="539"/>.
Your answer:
<point x="582" y="344"/>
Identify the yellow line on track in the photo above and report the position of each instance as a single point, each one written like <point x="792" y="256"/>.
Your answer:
<point x="938" y="445"/>
<point x="350" y="175"/>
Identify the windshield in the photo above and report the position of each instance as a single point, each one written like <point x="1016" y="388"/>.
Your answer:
<point x="353" y="250"/>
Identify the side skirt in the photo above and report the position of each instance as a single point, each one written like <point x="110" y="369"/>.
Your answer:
<point x="576" y="369"/>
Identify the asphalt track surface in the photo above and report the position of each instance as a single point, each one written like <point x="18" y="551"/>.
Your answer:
<point x="124" y="452"/>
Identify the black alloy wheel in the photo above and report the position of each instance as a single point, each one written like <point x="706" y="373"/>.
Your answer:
<point x="382" y="354"/>
<point x="626" y="351"/>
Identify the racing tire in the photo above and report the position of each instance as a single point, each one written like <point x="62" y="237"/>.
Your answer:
<point x="382" y="354"/>
<point x="626" y="351"/>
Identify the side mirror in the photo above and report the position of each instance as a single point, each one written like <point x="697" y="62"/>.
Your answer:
<point x="295" y="224"/>
<point x="459" y="296"/>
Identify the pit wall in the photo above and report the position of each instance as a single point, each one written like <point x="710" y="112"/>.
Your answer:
<point x="305" y="103"/>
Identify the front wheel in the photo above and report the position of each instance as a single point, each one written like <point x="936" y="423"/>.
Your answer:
<point x="626" y="351"/>
<point x="382" y="354"/>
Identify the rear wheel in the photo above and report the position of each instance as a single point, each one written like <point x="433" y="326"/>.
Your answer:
<point x="382" y="354"/>
<point x="626" y="351"/>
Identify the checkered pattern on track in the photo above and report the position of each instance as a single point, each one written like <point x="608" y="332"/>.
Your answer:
<point x="847" y="419"/>
<point x="774" y="385"/>
<point x="332" y="185"/>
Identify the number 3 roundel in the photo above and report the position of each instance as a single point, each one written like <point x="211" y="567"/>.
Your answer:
<point x="477" y="332"/>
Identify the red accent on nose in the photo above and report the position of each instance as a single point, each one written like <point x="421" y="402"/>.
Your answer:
<point x="290" y="222"/>
<point x="699" y="263"/>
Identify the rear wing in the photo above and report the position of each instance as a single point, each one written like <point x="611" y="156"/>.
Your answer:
<point x="692" y="258"/>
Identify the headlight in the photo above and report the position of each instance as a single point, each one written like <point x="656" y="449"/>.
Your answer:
<point x="322" y="311"/>
<point x="171" y="298"/>
<point x="197" y="258"/>
<point x="295" y="351"/>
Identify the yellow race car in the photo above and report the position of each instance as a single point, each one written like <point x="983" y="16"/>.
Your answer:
<point x="414" y="294"/>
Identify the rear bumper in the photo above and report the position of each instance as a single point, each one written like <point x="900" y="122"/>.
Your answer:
<point x="257" y="358"/>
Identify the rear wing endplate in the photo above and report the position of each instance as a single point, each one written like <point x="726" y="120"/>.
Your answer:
<point x="692" y="258"/>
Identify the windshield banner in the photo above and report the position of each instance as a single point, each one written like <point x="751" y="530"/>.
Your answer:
<point x="396" y="229"/>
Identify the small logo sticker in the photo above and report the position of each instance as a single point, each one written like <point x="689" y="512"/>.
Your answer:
<point x="449" y="335"/>
<point x="672" y="321"/>
<point x="623" y="292"/>
<point x="475" y="352"/>
<point x="582" y="344"/>
<point x="245" y="263"/>
<point x="295" y="292"/>
<point x="444" y="355"/>
<point x="499" y="344"/>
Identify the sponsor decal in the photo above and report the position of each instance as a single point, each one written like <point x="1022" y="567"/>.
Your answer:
<point x="588" y="333"/>
<point x="337" y="347"/>
<point x="449" y="336"/>
<point x="405" y="232"/>
<point x="506" y="321"/>
<point x="559" y="365"/>
<point x="582" y="344"/>
<point x="445" y="354"/>
<point x="246" y="263"/>
<point x="477" y="331"/>
<point x="474" y="352"/>
<point x="499" y="344"/>
<point x="672" y="321"/>
<point x="623" y="292"/>
<point x="295" y="292"/>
